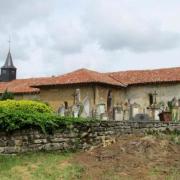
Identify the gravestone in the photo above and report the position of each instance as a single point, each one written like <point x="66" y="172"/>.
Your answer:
<point x="100" y="109"/>
<point x="118" y="113"/>
<point x="134" y="109"/>
<point x="77" y="96"/>
<point x="175" y="109"/>
<point x="126" y="111"/>
<point x="75" y="110"/>
<point x="86" y="107"/>
<point x="61" y="111"/>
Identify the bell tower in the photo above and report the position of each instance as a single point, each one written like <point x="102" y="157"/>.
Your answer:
<point x="8" y="71"/>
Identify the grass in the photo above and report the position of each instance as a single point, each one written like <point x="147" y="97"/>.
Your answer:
<point x="39" y="166"/>
<point x="172" y="173"/>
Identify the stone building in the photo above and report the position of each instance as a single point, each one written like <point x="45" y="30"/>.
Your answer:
<point x="132" y="91"/>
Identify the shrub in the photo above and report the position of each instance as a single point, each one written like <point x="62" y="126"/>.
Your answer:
<point x="21" y="114"/>
<point x="25" y="106"/>
<point x="7" y="95"/>
<point x="25" y="114"/>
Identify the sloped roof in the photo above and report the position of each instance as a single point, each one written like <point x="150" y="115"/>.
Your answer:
<point x="21" y="85"/>
<point x="79" y="77"/>
<point x="119" y="79"/>
<point x="9" y="62"/>
<point x="147" y="76"/>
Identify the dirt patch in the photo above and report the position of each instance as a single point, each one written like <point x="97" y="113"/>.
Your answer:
<point x="132" y="157"/>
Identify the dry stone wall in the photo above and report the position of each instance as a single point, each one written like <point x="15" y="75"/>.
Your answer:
<point x="76" y="136"/>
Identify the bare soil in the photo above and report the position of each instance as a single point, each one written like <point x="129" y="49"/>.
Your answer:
<point x="132" y="157"/>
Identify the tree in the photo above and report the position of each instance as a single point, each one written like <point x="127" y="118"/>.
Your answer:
<point x="7" y="95"/>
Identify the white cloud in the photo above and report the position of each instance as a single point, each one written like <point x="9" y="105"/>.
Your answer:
<point x="56" y="36"/>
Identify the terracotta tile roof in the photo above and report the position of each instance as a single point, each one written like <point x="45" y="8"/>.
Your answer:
<point x="147" y="76"/>
<point x="21" y="85"/>
<point x="81" y="76"/>
<point x="121" y="79"/>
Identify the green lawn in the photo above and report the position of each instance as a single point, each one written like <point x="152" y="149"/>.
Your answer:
<point x="39" y="166"/>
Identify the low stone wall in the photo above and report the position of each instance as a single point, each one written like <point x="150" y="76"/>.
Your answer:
<point x="75" y="137"/>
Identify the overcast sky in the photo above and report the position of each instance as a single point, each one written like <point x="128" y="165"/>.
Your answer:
<point x="51" y="37"/>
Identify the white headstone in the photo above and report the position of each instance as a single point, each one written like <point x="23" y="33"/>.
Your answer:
<point x="86" y="107"/>
<point x="61" y="111"/>
<point x="75" y="111"/>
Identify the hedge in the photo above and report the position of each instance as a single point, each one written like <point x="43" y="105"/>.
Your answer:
<point x="25" y="114"/>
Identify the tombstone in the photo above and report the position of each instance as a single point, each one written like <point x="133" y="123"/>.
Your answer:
<point x="75" y="110"/>
<point x="126" y="116"/>
<point x="86" y="107"/>
<point x="61" y="111"/>
<point x="126" y="111"/>
<point x="77" y="96"/>
<point x="175" y="109"/>
<point x="104" y="116"/>
<point x="134" y="110"/>
<point x="156" y="114"/>
<point x="100" y="109"/>
<point x="118" y="113"/>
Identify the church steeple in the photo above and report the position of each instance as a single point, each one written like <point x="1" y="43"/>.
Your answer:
<point x="8" y="71"/>
<point x="9" y="61"/>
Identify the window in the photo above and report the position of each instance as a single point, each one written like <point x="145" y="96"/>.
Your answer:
<point x="151" y="99"/>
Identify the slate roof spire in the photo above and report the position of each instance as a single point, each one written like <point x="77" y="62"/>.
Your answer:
<point x="8" y="70"/>
<point x="9" y="62"/>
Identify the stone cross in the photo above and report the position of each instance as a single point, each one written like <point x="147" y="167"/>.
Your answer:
<point x="155" y="97"/>
<point x="9" y="41"/>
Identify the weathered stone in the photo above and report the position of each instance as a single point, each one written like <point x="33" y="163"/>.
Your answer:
<point x="18" y="142"/>
<point x="55" y="140"/>
<point x="84" y="136"/>
<point x="2" y="149"/>
<point x="40" y="141"/>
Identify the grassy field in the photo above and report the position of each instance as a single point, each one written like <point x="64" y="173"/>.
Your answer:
<point x="130" y="158"/>
<point x="39" y="166"/>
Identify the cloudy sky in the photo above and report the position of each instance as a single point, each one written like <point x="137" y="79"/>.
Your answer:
<point x="51" y="37"/>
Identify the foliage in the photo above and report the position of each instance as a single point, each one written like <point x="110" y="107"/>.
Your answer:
<point x="170" y="106"/>
<point x="24" y="114"/>
<point x="25" y="106"/>
<point x="7" y="95"/>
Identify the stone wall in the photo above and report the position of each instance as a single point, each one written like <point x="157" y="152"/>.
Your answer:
<point x="76" y="136"/>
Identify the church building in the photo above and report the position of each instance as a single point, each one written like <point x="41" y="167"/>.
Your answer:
<point x="118" y="95"/>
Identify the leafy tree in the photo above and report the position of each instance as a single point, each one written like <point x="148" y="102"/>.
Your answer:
<point x="7" y="95"/>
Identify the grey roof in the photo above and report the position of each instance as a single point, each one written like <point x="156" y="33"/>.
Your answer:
<point x="9" y="61"/>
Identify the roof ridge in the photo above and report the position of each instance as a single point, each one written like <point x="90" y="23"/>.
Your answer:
<point x="125" y="85"/>
<point x="144" y="70"/>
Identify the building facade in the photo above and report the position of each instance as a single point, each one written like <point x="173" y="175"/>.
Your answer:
<point x="131" y="92"/>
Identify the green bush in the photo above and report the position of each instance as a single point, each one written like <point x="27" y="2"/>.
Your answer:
<point x="7" y="95"/>
<point x="25" y="114"/>
<point x="25" y="106"/>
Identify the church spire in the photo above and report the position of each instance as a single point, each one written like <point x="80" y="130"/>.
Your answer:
<point x="9" y="62"/>
<point x="8" y="71"/>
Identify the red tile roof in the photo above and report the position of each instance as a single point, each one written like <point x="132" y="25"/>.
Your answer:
<point x="147" y="76"/>
<point x="81" y="76"/>
<point x="120" y="79"/>
<point x="21" y="85"/>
